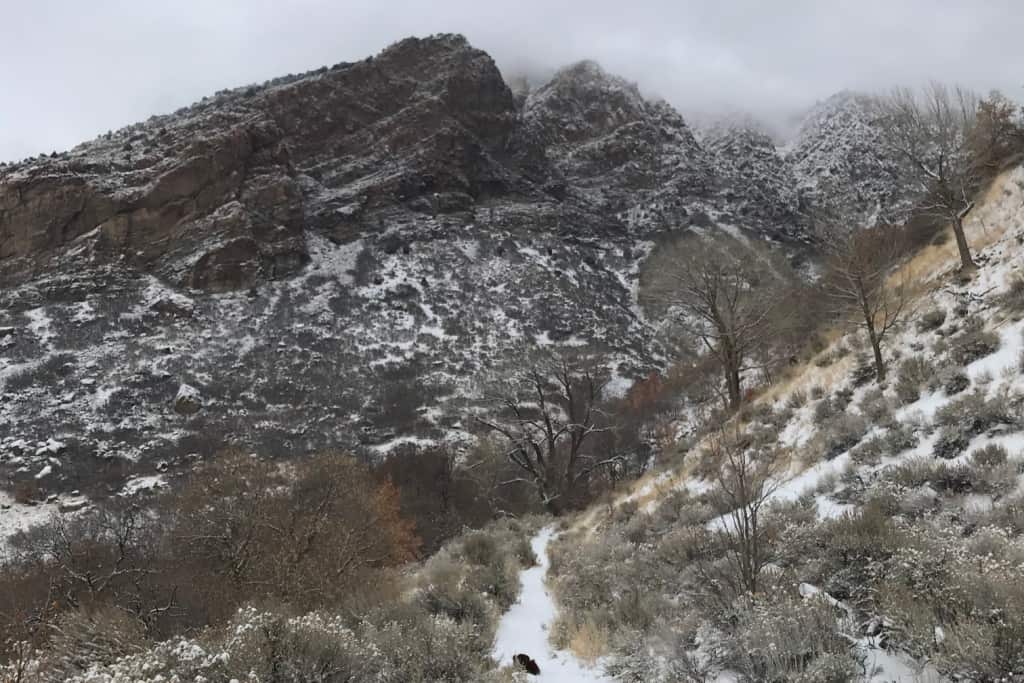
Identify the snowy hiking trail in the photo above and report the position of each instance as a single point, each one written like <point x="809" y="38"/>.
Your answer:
<point x="525" y="627"/>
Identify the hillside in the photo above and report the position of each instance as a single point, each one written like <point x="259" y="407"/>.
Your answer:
<point x="342" y="259"/>
<point x="892" y="535"/>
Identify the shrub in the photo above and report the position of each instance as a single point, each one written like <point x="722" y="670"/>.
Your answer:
<point x="974" y="413"/>
<point x="1013" y="299"/>
<point x="868" y="451"/>
<point x="97" y="636"/>
<point x="875" y="406"/>
<point x="841" y="433"/>
<point x="913" y="373"/>
<point x="900" y="437"/>
<point x="991" y="455"/>
<point x="952" y="380"/>
<point x="932" y="320"/>
<point x="863" y="371"/>
<point x="950" y="443"/>
<point x="26" y="491"/>
<point x="824" y="409"/>
<point x="796" y="400"/>
<point x="479" y="548"/>
<point x="788" y="638"/>
<point x="973" y="343"/>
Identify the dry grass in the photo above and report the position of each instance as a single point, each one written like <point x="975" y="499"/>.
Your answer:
<point x="984" y="227"/>
<point x="589" y="641"/>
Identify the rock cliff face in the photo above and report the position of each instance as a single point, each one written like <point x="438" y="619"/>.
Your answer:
<point x="340" y="259"/>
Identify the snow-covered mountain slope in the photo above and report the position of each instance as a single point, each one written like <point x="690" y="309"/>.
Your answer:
<point x="894" y="507"/>
<point x="339" y="259"/>
<point x="837" y="156"/>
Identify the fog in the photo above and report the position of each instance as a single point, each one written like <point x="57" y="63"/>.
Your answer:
<point x="70" y="70"/>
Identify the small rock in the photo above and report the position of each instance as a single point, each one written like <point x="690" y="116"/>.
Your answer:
<point x="188" y="400"/>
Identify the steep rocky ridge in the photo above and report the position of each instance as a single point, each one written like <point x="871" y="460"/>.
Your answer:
<point x="339" y="259"/>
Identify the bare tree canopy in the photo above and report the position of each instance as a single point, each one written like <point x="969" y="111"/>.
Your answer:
<point x="860" y="279"/>
<point x="934" y="132"/>
<point x="548" y="415"/>
<point x="723" y="292"/>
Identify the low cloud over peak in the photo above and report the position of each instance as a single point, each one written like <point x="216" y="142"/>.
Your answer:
<point x="73" y="70"/>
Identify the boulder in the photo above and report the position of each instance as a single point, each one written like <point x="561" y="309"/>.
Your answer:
<point x="188" y="400"/>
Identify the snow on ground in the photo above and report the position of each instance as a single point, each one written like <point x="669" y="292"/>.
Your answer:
<point x="388" y="446"/>
<point x="140" y="484"/>
<point x="15" y="517"/>
<point x="525" y="627"/>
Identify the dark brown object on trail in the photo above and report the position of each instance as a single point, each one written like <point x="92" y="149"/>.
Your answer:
<point x="527" y="663"/>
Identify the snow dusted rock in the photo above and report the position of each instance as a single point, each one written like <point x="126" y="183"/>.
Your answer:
<point x="50" y="446"/>
<point x="755" y="183"/>
<point x="188" y="400"/>
<point x="336" y="255"/>
<point x="838" y="157"/>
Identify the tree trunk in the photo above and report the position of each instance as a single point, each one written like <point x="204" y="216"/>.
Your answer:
<point x="731" y="369"/>
<point x="732" y="382"/>
<point x="966" y="262"/>
<point x="876" y="347"/>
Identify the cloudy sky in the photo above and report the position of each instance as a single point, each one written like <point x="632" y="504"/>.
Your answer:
<point x="71" y="69"/>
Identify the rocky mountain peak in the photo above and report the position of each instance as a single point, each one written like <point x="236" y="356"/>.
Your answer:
<point x="583" y="102"/>
<point x="838" y="157"/>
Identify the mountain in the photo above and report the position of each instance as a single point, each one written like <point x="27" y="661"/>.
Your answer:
<point x="341" y="259"/>
<point x="837" y="157"/>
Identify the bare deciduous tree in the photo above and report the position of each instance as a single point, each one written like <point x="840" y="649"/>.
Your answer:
<point x="721" y="291"/>
<point x="861" y="282"/>
<point x="932" y="131"/>
<point x="997" y="133"/>
<point x="744" y="484"/>
<point x="547" y="416"/>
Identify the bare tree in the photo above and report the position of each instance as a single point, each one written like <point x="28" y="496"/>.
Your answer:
<point x="933" y="131"/>
<point x="997" y="135"/>
<point x="720" y="290"/>
<point x="861" y="281"/>
<point x="744" y="485"/>
<point x="547" y="415"/>
<point x="728" y="556"/>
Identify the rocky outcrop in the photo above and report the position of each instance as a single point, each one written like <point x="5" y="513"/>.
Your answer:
<point x="218" y="196"/>
<point x="838" y="159"/>
<point x="755" y="184"/>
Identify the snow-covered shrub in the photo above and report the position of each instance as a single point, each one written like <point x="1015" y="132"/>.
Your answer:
<point x="266" y="646"/>
<point x="824" y="409"/>
<point x="863" y="371"/>
<point x="959" y="602"/>
<point x="969" y="416"/>
<point x="783" y="637"/>
<point x="840" y="433"/>
<point x="932" y="320"/>
<point x="875" y="406"/>
<point x="446" y="592"/>
<point x="990" y="455"/>
<point x="951" y="380"/>
<point x="950" y="443"/>
<point x="1013" y="299"/>
<point x="868" y="451"/>
<point x="913" y="373"/>
<point x="86" y="638"/>
<point x="973" y="343"/>
<point x="796" y="400"/>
